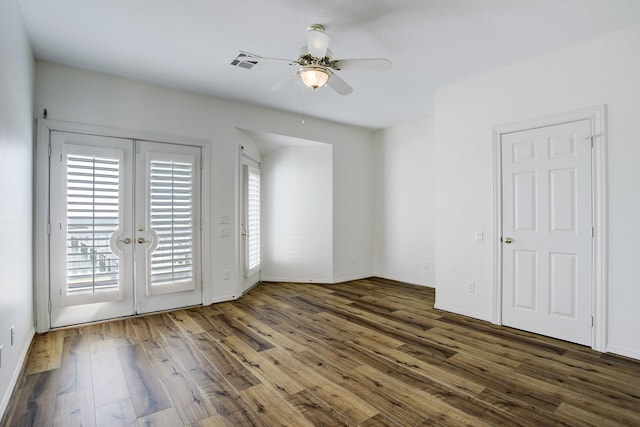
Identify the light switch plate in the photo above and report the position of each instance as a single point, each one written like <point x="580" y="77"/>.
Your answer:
<point x="479" y="236"/>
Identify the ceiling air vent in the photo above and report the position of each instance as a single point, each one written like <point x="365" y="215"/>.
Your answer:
<point x="243" y="60"/>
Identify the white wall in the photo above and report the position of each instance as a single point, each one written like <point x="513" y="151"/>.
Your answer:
<point x="297" y="214"/>
<point x="92" y="98"/>
<point x="16" y="171"/>
<point x="604" y="70"/>
<point x="405" y="203"/>
<point x="353" y="199"/>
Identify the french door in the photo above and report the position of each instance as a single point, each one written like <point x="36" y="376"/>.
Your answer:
<point x="125" y="227"/>
<point x="250" y="214"/>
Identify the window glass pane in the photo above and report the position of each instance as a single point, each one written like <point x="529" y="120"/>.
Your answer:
<point x="93" y="196"/>
<point x="171" y="211"/>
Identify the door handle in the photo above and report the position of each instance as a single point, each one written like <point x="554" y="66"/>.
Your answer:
<point x="126" y="240"/>
<point x="142" y="240"/>
<point x="508" y="240"/>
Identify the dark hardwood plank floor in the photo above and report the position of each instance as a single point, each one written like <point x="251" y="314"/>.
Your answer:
<point x="370" y="352"/>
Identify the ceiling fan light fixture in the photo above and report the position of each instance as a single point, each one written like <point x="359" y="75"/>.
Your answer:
<point x="314" y="77"/>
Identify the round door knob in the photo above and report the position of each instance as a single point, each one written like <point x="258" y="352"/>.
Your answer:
<point x="508" y="240"/>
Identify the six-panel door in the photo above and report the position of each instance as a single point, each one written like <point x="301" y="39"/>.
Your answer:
<point x="547" y="231"/>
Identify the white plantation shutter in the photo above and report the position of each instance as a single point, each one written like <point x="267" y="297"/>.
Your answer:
<point x="170" y="223"/>
<point x="171" y="219"/>
<point x="92" y="202"/>
<point x="252" y="220"/>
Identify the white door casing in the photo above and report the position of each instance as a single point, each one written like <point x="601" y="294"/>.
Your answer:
<point x="250" y="231"/>
<point x="547" y="230"/>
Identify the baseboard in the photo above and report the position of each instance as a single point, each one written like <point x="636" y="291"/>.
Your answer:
<point x="244" y="292"/>
<point x="221" y="299"/>
<point x="475" y="315"/>
<point x="295" y="280"/>
<point x="623" y="351"/>
<point x="350" y="278"/>
<point x="344" y="279"/>
<point x="16" y="373"/>
<point x="405" y="280"/>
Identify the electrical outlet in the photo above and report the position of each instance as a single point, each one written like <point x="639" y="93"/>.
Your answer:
<point x="354" y="260"/>
<point x="471" y="287"/>
<point x="13" y="335"/>
<point x="226" y="275"/>
<point x="427" y="266"/>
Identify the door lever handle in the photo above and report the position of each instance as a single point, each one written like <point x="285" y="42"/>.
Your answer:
<point x="142" y="240"/>
<point x="126" y="240"/>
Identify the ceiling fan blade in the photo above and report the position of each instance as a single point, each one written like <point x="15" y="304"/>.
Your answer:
<point x="339" y="85"/>
<point x="373" y="64"/>
<point x="285" y="83"/>
<point x="317" y="43"/>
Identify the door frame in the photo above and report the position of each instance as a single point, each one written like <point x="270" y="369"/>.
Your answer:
<point x="41" y="272"/>
<point x="245" y="284"/>
<point x="599" y="284"/>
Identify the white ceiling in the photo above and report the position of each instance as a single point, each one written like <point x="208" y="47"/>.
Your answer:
<point x="189" y="44"/>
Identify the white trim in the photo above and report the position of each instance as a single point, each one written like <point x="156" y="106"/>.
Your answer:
<point x="401" y="279"/>
<point x="456" y="310"/>
<point x="40" y="236"/>
<point x="41" y="209"/>
<point x="623" y="351"/>
<point x="249" y="155"/>
<point x="205" y="243"/>
<point x="224" y="298"/>
<point x="16" y="373"/>
<point x="245" y="283"/>
<point x="333" y="281"/>
<point x="328" y="281"/>
<point x="249" y="288"/>
<point x="353" y="277"/>
<point x="597" y="117"/>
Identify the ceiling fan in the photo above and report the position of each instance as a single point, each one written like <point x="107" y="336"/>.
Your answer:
<point x="317" y="68"/>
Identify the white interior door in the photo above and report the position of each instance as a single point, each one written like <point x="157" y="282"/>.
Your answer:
<point x="250" y="214"/>
<point x="125" y="227"/>
<point x="547" y="231"/>
<point x="91" y="200"/>
<point x="167" y="226"/>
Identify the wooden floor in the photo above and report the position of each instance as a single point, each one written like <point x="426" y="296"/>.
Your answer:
<point x="369" y="353"/>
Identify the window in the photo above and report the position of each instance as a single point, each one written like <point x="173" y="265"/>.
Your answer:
<point x="92" y="216"/>
<point x="252" y="220"/>
<point x="171" y="215"/>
